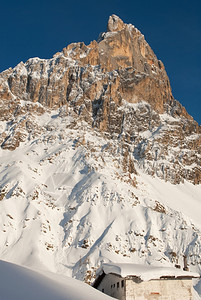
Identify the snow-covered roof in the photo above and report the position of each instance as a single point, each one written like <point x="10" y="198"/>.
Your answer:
<point x="144" y="272"/>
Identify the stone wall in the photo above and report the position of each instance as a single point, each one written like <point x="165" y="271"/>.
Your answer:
<point x="164" y="289"/>
<point x="135" y="289"/>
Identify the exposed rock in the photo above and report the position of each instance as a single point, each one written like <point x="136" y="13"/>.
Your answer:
<point x="122" y="50"/>
<point x="117" y="85"/>
<point x="115" y="23"/>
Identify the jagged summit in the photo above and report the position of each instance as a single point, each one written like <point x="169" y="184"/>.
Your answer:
<point x="123" y="49"/>
<point x="118" y="86"/>
<point x="115" y="23"/>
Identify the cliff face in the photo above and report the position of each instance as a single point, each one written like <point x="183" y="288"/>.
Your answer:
<point x="116" y="85"/>
<point x="121" y="65"/>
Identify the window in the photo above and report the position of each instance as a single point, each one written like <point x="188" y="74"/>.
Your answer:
<point x="117" y="284"/>
<point x="122" y="283"/>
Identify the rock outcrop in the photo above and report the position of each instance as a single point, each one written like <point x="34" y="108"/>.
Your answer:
<point x="117" y="85"/>
<point x="124" y="65"/>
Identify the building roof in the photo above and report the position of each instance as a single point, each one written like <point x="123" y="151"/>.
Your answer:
<point x="144" y="272"/>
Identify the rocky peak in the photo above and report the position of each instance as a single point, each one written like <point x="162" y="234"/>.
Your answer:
<point x="118" y="86"/>
<point x="115" y="24"/>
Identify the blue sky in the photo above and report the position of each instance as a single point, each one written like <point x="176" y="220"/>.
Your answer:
<point x="172" y="28"/>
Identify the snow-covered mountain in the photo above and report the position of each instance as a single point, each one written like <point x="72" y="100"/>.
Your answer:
<point x="98" y="161"/>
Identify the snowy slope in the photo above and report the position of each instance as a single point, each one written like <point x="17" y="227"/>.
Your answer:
<point x="67" y="205"/>
<point x="19" y="283"/>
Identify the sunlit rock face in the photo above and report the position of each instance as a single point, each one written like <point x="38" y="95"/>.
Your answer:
<point x="117" y="85"/>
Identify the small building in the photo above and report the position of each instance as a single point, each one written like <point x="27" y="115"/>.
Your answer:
<point x="140" y="282"/>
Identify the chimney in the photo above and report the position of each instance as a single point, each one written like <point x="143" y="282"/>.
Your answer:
<point x="186" y="268"/>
